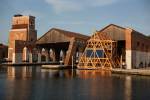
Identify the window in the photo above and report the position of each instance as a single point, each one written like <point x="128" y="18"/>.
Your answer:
<point x="138" y="44"/>
<point x="32" y="23"/>
<point x="89" y="53"/>
<point x="97" y="54"/>
<point x="100" y="53"/>
<point x="31" y="39"/>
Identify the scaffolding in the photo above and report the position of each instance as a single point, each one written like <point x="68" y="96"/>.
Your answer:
<point x="100" y="53"/>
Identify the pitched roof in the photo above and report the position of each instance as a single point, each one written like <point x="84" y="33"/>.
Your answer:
<point x="111" y="25"/>
<point x="115" y="32"/>
<point x="71" y="34"/>
<point x="62" y="35"/>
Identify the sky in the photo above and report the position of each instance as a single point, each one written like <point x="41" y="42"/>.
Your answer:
<point x="82" y="16"/>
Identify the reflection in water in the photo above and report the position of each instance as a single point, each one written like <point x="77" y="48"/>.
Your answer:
<point x="99" y="84"/>
<point x="34" y="83"/>
<point x="46" y="73"/>
<point x="30" y="72"/>
<point x="3" y="69"/>
<point x="92" y="73"/>
<point x="128" y="87"/>
<point x="22" y="72"/>
<point x="11" y="72"/>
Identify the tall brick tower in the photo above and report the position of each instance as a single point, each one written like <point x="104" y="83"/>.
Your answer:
<point x="22" y="33"/>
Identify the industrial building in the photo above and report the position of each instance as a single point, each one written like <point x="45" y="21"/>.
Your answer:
<point x="22" y="38"/>
<point x="114" y="47"/>
<point x="53" y="46"/>
<point x="111" y="47"/>
<point x="60" y="45"/>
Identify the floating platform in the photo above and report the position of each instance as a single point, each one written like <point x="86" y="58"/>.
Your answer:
<point x="144" y="72"/>
<point x="54" y="67"/>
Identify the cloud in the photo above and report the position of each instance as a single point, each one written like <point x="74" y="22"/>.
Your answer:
<point x="64" y="5"/>
<point x="77" y="5"/>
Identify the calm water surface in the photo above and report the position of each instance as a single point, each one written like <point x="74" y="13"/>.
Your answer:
<point x="34" y="83"/>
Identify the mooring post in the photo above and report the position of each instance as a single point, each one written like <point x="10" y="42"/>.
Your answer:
<point x="72" y="66"/>
<point x="121" y="61"/>
<point x="72" y="62"/>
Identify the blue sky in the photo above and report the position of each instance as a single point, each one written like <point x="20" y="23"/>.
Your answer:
<point x="83" y="16"/>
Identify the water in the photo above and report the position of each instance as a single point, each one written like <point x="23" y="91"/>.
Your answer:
<point x="34" y="83"/>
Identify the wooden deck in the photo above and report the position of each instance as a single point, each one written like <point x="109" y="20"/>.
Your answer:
<point x="54" y="66"/>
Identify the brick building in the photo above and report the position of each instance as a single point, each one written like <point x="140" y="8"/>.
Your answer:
<point x="132" y="47"/>
<point x="22" y="38"/>
<point x="3" y="52"/>
<point x="137" y="49"/>
<point x="62" y="45"/>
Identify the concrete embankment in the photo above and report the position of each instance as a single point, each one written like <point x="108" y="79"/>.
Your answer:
<point x="144" y="72"/>
<point x="28" y="64"/>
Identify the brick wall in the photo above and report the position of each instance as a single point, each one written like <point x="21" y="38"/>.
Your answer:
<point x="140" y="42"/>
<point x="22" y="34"/>
<point x="139" y="47"/>
<point x="3" y="51"/>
